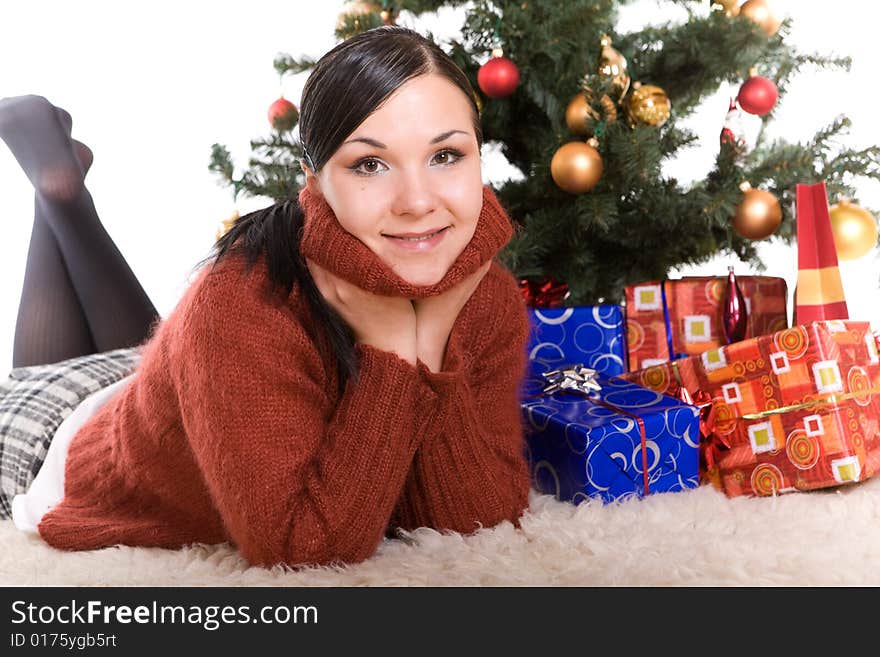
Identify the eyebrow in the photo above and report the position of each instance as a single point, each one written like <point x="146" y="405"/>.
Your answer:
<point x="378" y="144"/>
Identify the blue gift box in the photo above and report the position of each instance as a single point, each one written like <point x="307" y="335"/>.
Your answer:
<point x="592" y="335"/>
<point x="578" y="448"/>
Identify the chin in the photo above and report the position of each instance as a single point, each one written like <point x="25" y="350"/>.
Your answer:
<point x="424" y="277"/>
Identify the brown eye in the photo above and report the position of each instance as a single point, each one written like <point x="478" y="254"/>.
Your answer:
<point x="446" y="157"/>
<point x="368" y="166"/>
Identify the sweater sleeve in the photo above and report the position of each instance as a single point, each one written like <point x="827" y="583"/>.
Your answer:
<point x="295" y="478"/>
<point x="470" y="469"/>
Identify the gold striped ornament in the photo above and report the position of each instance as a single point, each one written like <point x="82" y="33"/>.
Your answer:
<point x="648" y="104"/>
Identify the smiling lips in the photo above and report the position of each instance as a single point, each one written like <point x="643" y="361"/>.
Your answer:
<point x="418" y="241"/>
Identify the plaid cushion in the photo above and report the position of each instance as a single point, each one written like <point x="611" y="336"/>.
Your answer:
<point x="33" y="403"/>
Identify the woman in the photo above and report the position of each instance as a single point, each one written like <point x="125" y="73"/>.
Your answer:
<point x="347" y="364"/>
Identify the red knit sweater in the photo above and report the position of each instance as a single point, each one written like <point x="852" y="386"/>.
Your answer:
<point x="232" y="428"/>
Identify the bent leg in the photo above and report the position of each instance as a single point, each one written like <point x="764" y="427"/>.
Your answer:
<point x="51" y="326"/>
<point x="108" y="297"/>
<point x="118" y="311"/>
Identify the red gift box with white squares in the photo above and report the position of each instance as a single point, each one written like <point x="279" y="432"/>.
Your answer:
<point x="695" y="307"/>
<point x="796" y="410"/>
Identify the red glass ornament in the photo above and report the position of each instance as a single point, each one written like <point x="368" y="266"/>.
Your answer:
<point x="758" y="95"/>
<point x="498" y="77"/>
<point x="735" y="316"/>
<point x="283" y="114"/>
<point x="543" y="292"/>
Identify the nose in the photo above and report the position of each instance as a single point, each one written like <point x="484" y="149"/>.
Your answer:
<point x="415" y="195"/>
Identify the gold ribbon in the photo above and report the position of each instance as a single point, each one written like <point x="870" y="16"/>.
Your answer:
<point x="830" y="398"/>
<point x="717" y="444"/>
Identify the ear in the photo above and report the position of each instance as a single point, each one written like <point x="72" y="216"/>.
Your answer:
<point x="312" y="182"/>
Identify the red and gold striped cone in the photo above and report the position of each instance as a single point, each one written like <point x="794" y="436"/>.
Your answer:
<point x="819" y="292"/>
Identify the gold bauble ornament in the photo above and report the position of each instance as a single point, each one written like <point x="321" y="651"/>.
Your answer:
<point x="388" y="17"/>
<point x="581" y="118"/>
<point x="729" y="7"/>
<point x="577" y="166"/>
<point x="760" y="12"/>
<point x="613" y="65"/>
<point x="648" y="104"/>
<point x="356" y="9"/>
<point x="854" y="229"/>
<point x="226" y="224"/>
<point x="758" y="214"/>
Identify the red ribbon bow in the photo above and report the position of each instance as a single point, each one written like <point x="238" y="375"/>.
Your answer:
<point x="543" y="293"/>
<point x="703" y="401"/>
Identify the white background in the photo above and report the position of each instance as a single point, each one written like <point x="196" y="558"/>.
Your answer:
<point x="151" y="86"/>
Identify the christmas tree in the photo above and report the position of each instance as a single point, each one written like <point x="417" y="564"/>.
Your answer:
<point x="589" y="115"/>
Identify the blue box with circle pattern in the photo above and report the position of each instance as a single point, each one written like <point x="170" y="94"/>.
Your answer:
<point x="593" y="444"/>
<point x="592" y="335"/>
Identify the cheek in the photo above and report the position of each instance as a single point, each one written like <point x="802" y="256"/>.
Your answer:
<point x="359" y="222"/>
<point x="468" y="203"/>
<point x="356" y="206"/>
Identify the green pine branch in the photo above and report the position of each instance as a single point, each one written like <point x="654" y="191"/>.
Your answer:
<point x="637" y="223"/>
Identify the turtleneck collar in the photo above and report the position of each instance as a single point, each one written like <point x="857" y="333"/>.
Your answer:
<point x="332" y="247"/>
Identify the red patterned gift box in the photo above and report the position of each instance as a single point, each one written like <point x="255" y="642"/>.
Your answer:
<point x="817" y="447"/>
<point x="694" y="308"/>
<point x="796" y="410"/>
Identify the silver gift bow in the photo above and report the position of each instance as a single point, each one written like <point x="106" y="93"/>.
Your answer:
<point x="571" y="377"/>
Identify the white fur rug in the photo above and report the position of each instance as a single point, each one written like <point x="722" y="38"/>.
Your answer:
<point x="695" y="538"/>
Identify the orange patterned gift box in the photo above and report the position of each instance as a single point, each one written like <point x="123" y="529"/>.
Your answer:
<point x="795" y="410"/>
<point x="695" y="306"/>
<point x="817" y="447"/>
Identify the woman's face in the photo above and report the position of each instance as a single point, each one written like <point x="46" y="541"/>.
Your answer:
<point x="407" y="182"/>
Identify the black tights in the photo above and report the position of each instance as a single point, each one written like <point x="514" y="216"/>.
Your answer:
<point x="79" y="295"/>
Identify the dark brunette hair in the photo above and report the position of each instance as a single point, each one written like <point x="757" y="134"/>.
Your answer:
<point x="348" y="84"/>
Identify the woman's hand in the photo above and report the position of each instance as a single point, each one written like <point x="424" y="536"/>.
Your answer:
<point x="386" y="323"/>
<point x="436" y="315"/>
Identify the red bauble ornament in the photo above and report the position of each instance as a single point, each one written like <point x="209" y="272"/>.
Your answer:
<point x="498" y="77"/>
<point x="735" y="315"/>
<point x="283" y="114"/>
<point x="758" y="95"/>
